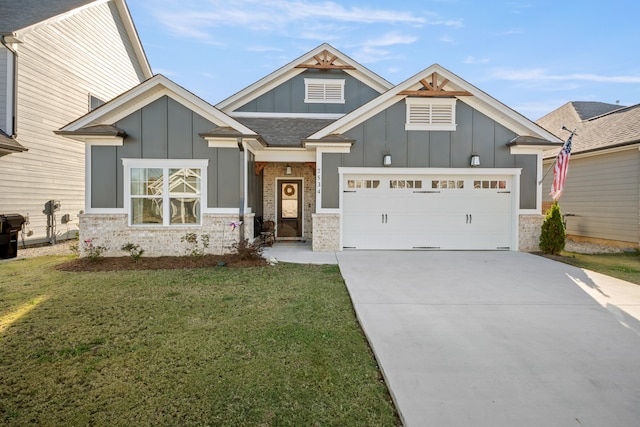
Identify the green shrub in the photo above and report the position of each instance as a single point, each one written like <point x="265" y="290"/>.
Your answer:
<point x="248" y="251"/>
<point x="135" y="251"/>
<point x="192" y="248"/>
<point x="552" y="236"/>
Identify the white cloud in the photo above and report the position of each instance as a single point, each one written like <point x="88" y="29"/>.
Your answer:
<point x="390" y="39"/>
<point x="541" y="75"/>
<point x="198" y="20"/>
<point x="474" y="61"/>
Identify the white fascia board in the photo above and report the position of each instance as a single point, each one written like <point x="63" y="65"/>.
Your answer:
<point x="528" y="149"/>
<point x="359" y="115"/>
<point x="148" y="92"/>
<point x="252" y="114"/>
<point x="109" y="141"/>
<point x="288" y="71"/>
<point x="214" y="142"/>
<point x="479" y="100"/>
<point x="598" y="152"/>
<point x="428" y="171"/>
<point x="330" y="147"/>
<point x="293" y="156"/>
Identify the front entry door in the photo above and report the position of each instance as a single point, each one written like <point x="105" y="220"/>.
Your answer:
<point x="289" y="208"/>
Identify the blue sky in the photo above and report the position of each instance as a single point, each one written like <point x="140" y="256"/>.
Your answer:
<point x="534" y="56"/>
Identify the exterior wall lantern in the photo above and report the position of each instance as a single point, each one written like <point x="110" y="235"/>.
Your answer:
<point x="386" y="160"/>
<point x="475" y="160"/>
<point x="288" y="170"/>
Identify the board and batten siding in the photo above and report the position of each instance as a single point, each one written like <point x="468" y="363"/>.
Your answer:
<point x="289" y="96"/>
<point x="603" y="192"/>
<point x="385" y="133"/>
<point x="163" y="129"/>
<point x="59" y="65"/>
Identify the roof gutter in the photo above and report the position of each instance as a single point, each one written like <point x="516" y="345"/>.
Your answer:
<point x="6" y="40"/>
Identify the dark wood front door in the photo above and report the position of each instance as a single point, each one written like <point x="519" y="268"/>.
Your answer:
<point x="289" y="208"/>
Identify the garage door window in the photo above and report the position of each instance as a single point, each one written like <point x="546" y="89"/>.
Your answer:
<point x="405" y="183"/>
<point x="490" y="184"/>
<point x="363" y="183"/>
<point x="450" y="184"/>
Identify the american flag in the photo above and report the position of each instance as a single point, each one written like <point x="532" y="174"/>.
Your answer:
<point x="561" y="169"/>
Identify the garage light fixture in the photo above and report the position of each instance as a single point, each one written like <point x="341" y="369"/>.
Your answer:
<point x="386" y="160"/>
<point x="475" y="160"/>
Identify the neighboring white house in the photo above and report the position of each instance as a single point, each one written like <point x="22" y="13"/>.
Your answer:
<point x="58" y="60"/>
<point x="601" y="198"/>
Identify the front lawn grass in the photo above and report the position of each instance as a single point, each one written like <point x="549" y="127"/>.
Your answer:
<point x="625" y="265"/>
<point x="217" y="346"/>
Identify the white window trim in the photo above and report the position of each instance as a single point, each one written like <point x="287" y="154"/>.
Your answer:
<point x="324" y="83"/>
<point x="448" y="102"/>
<point x="164" y="164"/>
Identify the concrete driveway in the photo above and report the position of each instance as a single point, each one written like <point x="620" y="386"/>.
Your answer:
<point x="498" y="338"/>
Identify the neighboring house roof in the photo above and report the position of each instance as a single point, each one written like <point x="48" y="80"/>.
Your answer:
<point x="325" y="53"/>
<point x="101" y="120"/>
<point x="616" y="128"/>
<point x="450" y="85"/>
<point x="284" y="132"/>
<point x="9" y="145"/>
<point x="572" y="113"/>
<point x="19" y="16"/>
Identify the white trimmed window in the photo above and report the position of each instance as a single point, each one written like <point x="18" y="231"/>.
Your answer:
<point x="324" y="91"/>
<point x="431" y="114"/>
<point x="165" y="192"/>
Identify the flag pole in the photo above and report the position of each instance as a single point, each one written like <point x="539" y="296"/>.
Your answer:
<point x="573" y="132"/>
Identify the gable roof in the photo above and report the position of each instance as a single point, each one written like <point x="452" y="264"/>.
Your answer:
<point x="572" y="113"/>
<point x="20" y="16"/>
<point x="100" y="120"/>
<point x="284" y="132"/>
<point x="617" y="128"/>
<point x="295" y="67"/>
<point x="450" y="85"/>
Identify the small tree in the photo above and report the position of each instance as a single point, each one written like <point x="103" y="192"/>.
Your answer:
<point x="552" y="236"/>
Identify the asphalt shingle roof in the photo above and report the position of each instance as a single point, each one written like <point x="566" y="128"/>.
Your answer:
<point x="284" y="132"/>
<point x="18" y="14"/>
<point x="614" y="128"/>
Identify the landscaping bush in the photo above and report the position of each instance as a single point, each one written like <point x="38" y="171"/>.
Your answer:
<point x="248" y="251"/>
<point x="552" y="236"/>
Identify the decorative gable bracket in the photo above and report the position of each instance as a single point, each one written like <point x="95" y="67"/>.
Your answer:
<point x="435" y="89"/>
<point x="326" y="61"/>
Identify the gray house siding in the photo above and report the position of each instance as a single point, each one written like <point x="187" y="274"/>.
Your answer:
<point x="384" y="133"/>
<point x="602" y="191"/>
<point x="289" y="96"/>
<point x="164" y="129"/>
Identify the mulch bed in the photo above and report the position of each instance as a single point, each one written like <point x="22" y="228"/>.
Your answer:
<point x="160" y="263"/>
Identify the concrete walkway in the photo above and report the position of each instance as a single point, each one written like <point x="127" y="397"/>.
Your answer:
<point x="499" y="338"/>
<point x="299" y="253"/>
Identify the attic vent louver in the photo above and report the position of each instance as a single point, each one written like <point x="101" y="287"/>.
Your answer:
<point x="431" y="114"/>
<point x="324" y="91"/>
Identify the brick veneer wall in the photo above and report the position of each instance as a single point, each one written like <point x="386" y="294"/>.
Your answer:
<point x="113" y="231"/>
<point x="530" y="226"/>
<point x="298" y="170"/>
<point x="326" y="236"/>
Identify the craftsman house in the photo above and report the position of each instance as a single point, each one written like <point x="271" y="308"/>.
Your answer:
<point x="325" y="148"/>
<point x="58" y="60"/>
<point x="601" y="198"/>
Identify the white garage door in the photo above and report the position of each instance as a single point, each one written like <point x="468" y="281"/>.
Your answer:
<point x="427" y="212"/>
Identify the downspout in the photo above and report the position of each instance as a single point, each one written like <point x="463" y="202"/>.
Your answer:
<point x="241" y="210"/>
<point x="14" y="82"/>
